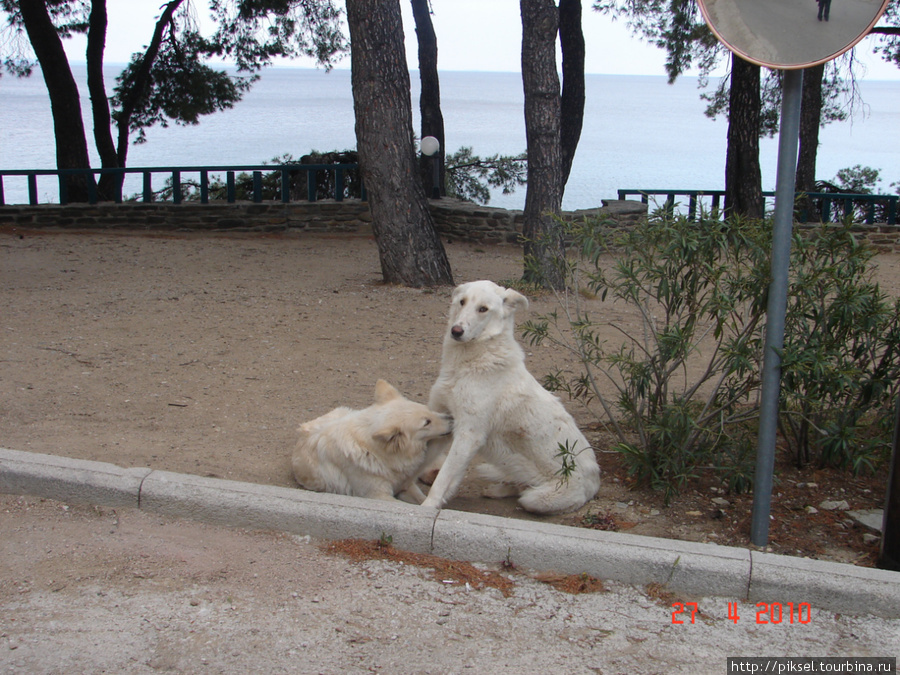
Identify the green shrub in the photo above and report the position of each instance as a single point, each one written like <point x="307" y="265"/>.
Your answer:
<point x="686" y="382"/>
<point x="840" y="359"/>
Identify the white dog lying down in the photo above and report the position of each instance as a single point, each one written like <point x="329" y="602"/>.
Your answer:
<point x="377" y="452"/>
<point x="501" y="413"/>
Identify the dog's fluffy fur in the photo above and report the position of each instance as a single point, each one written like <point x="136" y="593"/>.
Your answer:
<point x="501" y="413"/>
<point x="376" y="452"/>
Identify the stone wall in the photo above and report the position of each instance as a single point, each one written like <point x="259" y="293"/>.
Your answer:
<point x="456" y="220"/>
<point x="461" y="221"/>
<point x="885" y="238"/>
<point x="321" y="216"/>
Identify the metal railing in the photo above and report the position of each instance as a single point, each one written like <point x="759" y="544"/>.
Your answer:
<point x="199" y="190"/>
<point x="832" y="206"/>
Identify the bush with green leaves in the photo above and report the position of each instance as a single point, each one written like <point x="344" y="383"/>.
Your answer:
<point x="685" y="383"/>
<point x="695" y="287"/>
<point x="840" y="361"/>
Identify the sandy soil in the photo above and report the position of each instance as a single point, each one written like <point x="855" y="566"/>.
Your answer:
<point x="202" y="354"/>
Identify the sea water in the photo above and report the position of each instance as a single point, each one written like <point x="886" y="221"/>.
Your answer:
<point x="639" y="131"/>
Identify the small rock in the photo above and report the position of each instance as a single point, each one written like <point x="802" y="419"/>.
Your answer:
<point x="812" y="510"/>
<point x="811" y="486"/>
<point x="834" y="505"/>
<point x="654" y="512"/>
<point x="719" y="501"/>
<point x="870" y="538"/>
<point x="871" y="518"/>
<point x="693" y="513"/>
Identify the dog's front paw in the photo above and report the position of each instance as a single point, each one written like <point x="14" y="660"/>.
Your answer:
<point x="432" y="503"/>
<point x="412" y="495"/>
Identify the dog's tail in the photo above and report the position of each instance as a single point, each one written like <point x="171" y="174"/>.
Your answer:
<point x="552" y="498"/>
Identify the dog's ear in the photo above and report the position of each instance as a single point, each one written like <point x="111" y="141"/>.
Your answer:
<point x="513" y="300"/>
<point x="388" y="434"/>
<point x="384" y="392"/>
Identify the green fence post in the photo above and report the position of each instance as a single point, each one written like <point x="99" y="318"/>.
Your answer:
<point x="285" y="186"/>
<point x="229" y="187"/>
<point x="176" y="187"/>
<point x="257" y="187"/>
<point x="339" y="185"/>
<point x="310" y="185"/>
<point x="204" y="187"/>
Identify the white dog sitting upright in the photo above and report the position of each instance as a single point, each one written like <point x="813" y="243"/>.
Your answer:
<point x="376" y="452"/>
<point x="501" y="413"/>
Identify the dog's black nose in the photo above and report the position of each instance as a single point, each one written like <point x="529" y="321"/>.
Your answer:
<point x="457" y="332"/>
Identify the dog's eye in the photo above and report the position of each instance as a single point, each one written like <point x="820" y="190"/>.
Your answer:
<point x="462" y="302"/>
<point x="427" y="422"/>
<point x="482" y="309"/>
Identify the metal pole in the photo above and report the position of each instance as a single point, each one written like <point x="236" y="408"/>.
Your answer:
<point x="889" y="556"/>
<point x="788" y="140"/>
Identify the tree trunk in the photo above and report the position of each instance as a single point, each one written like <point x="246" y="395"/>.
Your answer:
<point x="743" y="182"/>
<point x="141" y="82"/>
<point x="65" y="103"/>
<point x="810" y="122"/>
<point x="410" y="250"/>
<point x="108" y="185"/>
<point x="429" y="98"/>
<point x="571" y="38"/>
<point x="544" y="249"/>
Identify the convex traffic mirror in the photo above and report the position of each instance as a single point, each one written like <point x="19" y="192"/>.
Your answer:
<point x="790" y="34"/>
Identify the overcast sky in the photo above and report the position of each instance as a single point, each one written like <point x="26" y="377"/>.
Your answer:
<point x="472" y="35"/>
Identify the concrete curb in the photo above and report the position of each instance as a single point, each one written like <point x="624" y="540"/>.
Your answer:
<point x="69" y="480"/>
<point x="682" y="567"/>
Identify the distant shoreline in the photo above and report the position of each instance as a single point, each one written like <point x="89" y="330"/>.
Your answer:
<point x="414" y="72"/>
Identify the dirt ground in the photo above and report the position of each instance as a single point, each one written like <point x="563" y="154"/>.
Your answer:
<point x="201" y="354"/>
